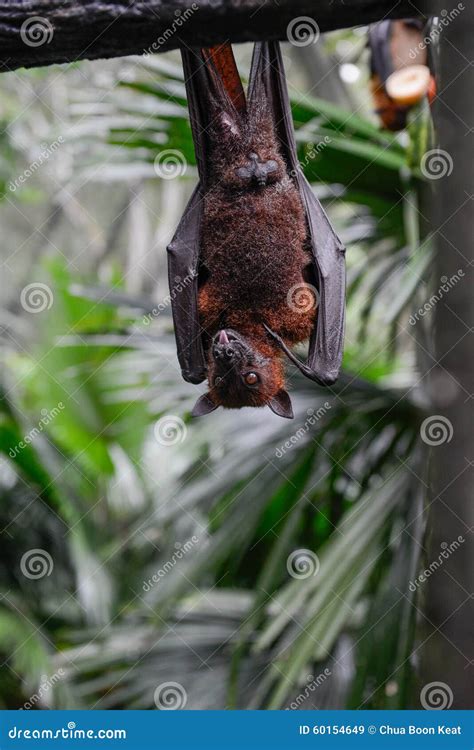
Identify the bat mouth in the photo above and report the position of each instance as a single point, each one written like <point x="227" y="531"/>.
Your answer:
<point x="227" y="347"/>
<point x="224" y="337"/>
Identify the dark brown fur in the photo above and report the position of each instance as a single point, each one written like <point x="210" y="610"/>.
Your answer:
<point x="253" y="255"/>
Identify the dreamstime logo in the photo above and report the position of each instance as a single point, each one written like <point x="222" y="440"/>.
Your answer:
<point x="180" y="18"/>
<point x="446" y="286"/>
<point x="436" y="430"/>
<point x="36" y="297"/>
<point x="313" y="417"/>
<point x="170" y="696"/>
<point x="46" y="418"/>
<point x="178" y="287"/>
<point x="302" y="31"/>
<point x="302" y="563"/>
<point x="47" y="150"/>
<point x="312" y="683"/>
<point x="436" y="696"/>
<point x="45" y="686"/>
<point x="170" y="163"/>
<point x="36" y="563"/>
<point x="170" y="430"/>
<point x="439" y="25"/>
<point x="302" y="298"/>
<point x="181" y="551"/>
<point x="446" y="551"/>
<point x="436" y="164"/>
<point x="36" y="31"/>
<point x="312" y="151"/>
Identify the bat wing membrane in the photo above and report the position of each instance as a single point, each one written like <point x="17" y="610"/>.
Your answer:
<point x="183" y="268"/>
<point x="267" y="79"/>
<point x="207" y="93"/>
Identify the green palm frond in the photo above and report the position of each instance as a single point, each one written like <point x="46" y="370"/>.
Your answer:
<point x="114" y="505"/>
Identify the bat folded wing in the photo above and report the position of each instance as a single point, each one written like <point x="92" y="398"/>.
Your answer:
<point x="267" y="79"/>
<point x="327" y="340"/>
<point x="183" y="261"/>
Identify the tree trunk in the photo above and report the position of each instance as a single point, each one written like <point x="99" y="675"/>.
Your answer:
<point x="446" y="633"/>
<point x="43" y="32"/>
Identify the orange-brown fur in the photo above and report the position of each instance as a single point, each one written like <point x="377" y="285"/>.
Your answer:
<point x="253" y="252"/>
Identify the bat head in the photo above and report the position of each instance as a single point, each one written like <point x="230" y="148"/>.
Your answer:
<point x="247" y="156"/>
<point x="243" y="372"/>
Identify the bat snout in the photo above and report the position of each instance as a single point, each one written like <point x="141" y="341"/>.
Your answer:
<point x="225" y="346"/>
<point x="223" y="353"/>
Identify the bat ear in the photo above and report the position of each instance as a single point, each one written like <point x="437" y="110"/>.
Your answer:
<point x="204" y="405"/>
<point x="281" y="404"/>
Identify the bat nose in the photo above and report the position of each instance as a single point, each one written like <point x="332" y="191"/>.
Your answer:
<point x="225" y="353"/>
<point x="222" y="347"/>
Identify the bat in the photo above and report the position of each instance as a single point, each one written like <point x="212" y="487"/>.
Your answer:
<point x="257" y="261"/>
<point x="401" y="71"/>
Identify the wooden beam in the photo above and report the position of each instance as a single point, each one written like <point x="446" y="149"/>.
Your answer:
<point x="44" y="32"/>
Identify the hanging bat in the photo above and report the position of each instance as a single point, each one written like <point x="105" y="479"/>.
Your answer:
<point x="258" y="264"/>
<point x="401" y="72"/>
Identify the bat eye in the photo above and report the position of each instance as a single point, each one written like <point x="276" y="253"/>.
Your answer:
<point x="251" y="378"/>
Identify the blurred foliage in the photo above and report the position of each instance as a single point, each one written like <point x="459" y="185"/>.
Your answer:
<point x="112" y="504"/>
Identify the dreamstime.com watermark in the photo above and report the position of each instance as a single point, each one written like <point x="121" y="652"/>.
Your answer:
<point x="302" y="563"/>
<point x="313" y="417"/>
<point x="444" y="288"/>
<point x="436" y="696"/>
<point x="46" y="418"/>
<point x="46" y="152"/>
<point x="67" y="733"/>
<point x="436" y="164"/>
<point x="36" y="563"/>
<point x="170" y="163"/>
<point x="36" y="297"/>
<point x="170" y="696"/>
<point x="436" y="430"/>
<point x="312" y="684"/>
<point x="302" y="298"/>
<point x="170" y="430"/>
<point x="180" y="19"/>
<point x="302" y="31"/>
<point x="41" y="695"/>
<point x="446" y="551"/>
<point x="36" y="31"/>
<point x="181" y="550"/>
<point x="178" y="287"/>
<point x="312" y="151"/>
<point x="443" y="20"/>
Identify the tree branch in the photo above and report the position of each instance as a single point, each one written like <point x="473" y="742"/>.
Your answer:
<point x="43" y="32"/>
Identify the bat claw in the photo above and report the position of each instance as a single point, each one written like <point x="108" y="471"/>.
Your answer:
<point x="325" y="378"/>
